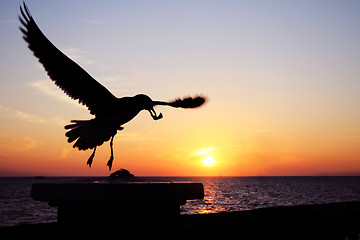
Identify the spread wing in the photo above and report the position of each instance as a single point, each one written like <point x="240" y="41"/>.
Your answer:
<point x="66" y="74"/>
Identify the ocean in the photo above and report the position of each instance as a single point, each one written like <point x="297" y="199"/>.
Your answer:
<point x="221" y="194"/>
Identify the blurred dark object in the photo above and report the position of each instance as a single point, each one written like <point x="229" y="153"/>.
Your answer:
<point x="121" y="173"/>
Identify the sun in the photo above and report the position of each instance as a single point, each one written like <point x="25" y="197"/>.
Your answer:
<point x="208" y="161"/>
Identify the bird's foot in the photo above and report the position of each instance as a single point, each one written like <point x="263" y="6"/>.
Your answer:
<point x="153" y="114"/>
<point x="160" y="116"/>
<point x="110" y="162"/>
<point x="91" y="158"/>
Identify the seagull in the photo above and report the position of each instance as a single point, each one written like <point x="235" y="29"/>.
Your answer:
<point x="110" y="112"/>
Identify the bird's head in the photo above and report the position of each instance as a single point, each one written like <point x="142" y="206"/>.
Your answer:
<point x="145" y="103"/>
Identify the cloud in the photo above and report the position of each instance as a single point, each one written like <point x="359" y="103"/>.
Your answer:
<point x="202" y="151"/>
<point x="48" y="88"/>
<point x="349" y="137"/>
<point x="135" y="136"/>
<point x="8" y="21"/>
<point x="77" y="54"/>
<point x="91" y="21"/>
<point x="65" y="153"/>
<point x="18" y="144"/>
<point x="30" y="118"/>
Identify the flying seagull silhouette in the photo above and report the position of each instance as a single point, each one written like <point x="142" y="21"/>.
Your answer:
<point x="110" y="112"/>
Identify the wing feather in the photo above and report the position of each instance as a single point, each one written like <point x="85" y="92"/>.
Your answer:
<point x="65" y="73"/>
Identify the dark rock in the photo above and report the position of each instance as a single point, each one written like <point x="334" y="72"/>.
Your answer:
<point x="121" y="173"/>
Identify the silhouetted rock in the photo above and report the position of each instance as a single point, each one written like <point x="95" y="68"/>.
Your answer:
<point x="121" y="173"/>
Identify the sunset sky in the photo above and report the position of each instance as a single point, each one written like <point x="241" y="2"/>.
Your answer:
<point x="282" y="78"/>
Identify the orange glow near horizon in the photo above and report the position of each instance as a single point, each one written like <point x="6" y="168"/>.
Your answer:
<point x="169" y="154"/>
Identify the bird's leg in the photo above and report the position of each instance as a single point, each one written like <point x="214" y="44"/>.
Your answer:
<point x="109" y="163"/>
<point x="91" y="158"/>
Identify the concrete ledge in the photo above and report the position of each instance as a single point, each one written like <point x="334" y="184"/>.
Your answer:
<point x="100" y="201"/>
<point x="116" y="191"/>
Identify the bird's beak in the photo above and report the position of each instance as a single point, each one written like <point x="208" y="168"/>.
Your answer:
<point x="153" y="114"/>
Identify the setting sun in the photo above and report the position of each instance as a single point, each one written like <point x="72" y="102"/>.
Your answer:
<point x="208" y="162"/>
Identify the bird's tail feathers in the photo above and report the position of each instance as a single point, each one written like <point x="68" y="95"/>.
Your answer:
<point x="87" y="133"/>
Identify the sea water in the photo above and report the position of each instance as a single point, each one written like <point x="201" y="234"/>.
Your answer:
<point x="221" y="194"/>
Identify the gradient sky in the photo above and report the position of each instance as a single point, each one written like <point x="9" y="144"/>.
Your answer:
<point x="282" y="77"/>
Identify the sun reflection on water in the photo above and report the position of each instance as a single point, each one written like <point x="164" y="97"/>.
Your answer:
<point x="245" y="193"/>
<point x="210" y="202"/>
